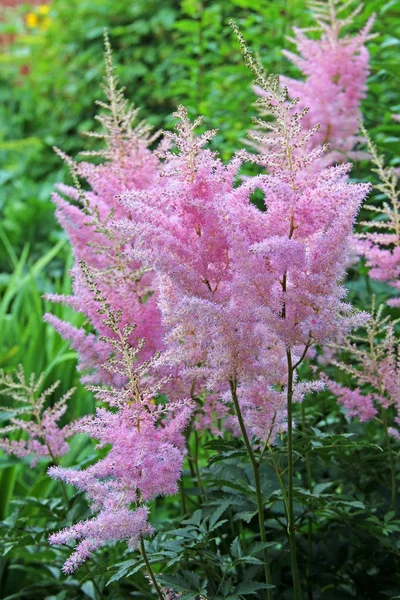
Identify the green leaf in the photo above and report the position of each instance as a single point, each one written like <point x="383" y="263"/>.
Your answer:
<point x="320" y="487"/>
<point x="222" y="445"/>
<point x="251" y="587"/>
<point x="245" y="515"/>
<point x="236" y="548"/>
<point x="213" y="518"/>
<point x="127" y="568"/>
<point x="259" y="546"/>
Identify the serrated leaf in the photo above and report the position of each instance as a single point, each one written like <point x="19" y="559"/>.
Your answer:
<point x="245" y="489"/>
<point x="226" y="456"/>
<point x="176" y="582"/>
<point x="213" y="518"/>
<point x="195" y="519"/>
<point x="251" y="560"/>
<point x="259" y="547"/>
<point x="320" y="487"/>
<point x="251" y="587"/>
<point x="245" y="515"/>
<point x="352" y="503"/>
<point x="192" y="578"/>
<point x="236" y="548"/>
<point x="222" y="445"/>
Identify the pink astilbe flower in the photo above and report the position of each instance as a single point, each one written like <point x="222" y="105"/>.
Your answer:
<point x="309" y="214"/>
<point x="170" y="594"/>
<point x="128" y="164"/>
<point x="239" y="287"/>
<point x="374" y="365"/>
<point x="142" y="463"/>
<point x="394" y="433"/>
<point x="354" y="402"/>
<point x="146" y="447"/>
<point x="211" y="416"/>
<point x="381" y="248"/>
<point x="107" y="526"/>
<point x="193" y="268"/>
<point x="264" y="409"/>
<point x="44" y="438"/>
<point x="335" y="68"/>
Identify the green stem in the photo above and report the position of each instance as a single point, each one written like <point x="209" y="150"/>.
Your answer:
<point x="150" y="571"/>
<point x="291" y="527"/>
<point x="189" y="456"/>
<point x="391" y="457"/>
<point x="278" y="473"/>
<point x="309" y="525"/>
<point x="182" y="496"/>
<point x="63" y="487"/>
<point x="259" y="496"/>
<point x="196" y="465"/>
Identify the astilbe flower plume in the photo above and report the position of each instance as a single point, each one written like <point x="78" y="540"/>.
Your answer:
<point x="335" y="69"/>
<point x="381" y="248"/>
<point x="43" y="436"/>
<point x="146" y="447"/>
<point x="245" y="293"/>
<point x="128" y="163"/>
<point x="239" y="286"/>
<point x="373" y="363"/>
<point x="191" y="222"/>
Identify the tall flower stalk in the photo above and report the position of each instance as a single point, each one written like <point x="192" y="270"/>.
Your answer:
<point x="375" y="366"/>
<point x="311" y="309"/>
<point x="255" y="465"/>
<point x="232" y="296"/>
<point x="381" y="248"/>
<point x="290" y="515"/>
<point x="89" y="218"/>
<point x="146" y="454"/>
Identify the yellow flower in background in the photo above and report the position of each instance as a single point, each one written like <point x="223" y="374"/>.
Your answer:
<point x="39" y="18"/>
<point x="43" y="9"/>
<point x="31" y="20"/>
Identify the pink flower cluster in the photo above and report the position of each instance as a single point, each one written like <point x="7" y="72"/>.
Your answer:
<point x="381" y="248"/>
<point x="147" y="447"/>
<point x="144" y="461"/>
<point x="374" y="365"/>
<point x="335" y="69"/>
<point x="354" y="402"/>
<point x="43" y="438"/>
<point x="230" y="294"/>
<point x="129" y="164"/>
<point x="239" y="286"/>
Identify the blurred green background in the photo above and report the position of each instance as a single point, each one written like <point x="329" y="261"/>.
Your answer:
<point x="167" y="53"/>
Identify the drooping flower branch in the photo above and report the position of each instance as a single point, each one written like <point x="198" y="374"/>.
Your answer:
<point x="381" y="247"/>
<point x="302" y="254"/>
<point x="43" y="437"/>
<point x="146" y="447"/>
<point x="374" y="365"/>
